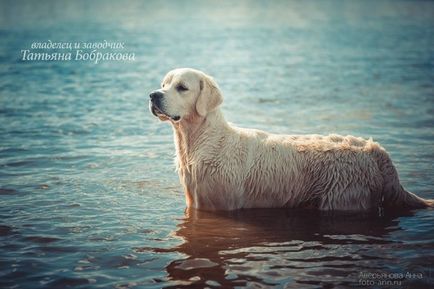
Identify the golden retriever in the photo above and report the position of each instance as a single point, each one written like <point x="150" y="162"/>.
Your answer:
<point x="222" y="167"/>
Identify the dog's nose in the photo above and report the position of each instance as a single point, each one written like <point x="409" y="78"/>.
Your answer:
<point x="156" y="95"/>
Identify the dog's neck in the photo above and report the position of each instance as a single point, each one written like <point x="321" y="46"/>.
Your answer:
<point x="191" y="132"/>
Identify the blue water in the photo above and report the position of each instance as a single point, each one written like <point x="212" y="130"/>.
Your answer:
<point x="88" y="193"/>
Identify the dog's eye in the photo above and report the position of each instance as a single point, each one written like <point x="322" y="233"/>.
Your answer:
<point x="181" y="87"/>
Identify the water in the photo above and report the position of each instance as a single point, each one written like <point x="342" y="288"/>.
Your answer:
<point x="89" y="197"/>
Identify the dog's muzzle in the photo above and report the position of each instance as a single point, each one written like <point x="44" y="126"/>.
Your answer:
<point x="156" y="107"/>
<point x="155" y="103"/>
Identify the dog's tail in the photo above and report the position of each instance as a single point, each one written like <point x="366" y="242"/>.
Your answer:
<point x="394" y="195"/>
<point x="402" y="198"/>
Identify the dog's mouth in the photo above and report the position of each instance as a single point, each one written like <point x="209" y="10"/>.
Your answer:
<point x="160" y="114"/>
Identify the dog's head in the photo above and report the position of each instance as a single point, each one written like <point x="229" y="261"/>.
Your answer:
<point x="185" y="93"/>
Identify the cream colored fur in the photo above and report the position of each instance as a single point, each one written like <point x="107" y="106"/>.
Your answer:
<point x="223" y="167"/>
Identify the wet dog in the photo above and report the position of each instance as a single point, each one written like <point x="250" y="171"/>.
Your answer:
<point x="223" y="167"/>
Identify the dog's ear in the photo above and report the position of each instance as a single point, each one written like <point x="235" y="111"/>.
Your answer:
<point x="209" y="98"/>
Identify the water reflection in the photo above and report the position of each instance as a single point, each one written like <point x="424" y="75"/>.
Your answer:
<point x="275" y="246"/>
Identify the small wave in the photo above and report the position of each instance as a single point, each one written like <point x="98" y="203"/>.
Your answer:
<point x="5" y="230"/>
<point x="42" y="239"/>
<point x="6" y="191"/>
